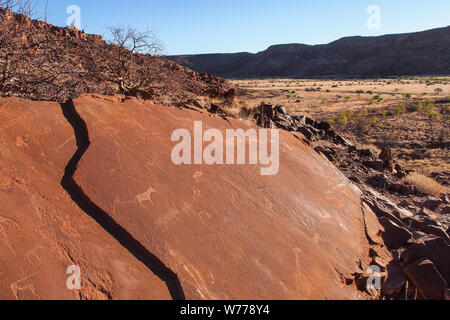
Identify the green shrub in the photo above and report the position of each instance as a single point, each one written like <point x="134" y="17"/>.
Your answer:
<point x="382" y="112"/>
<point x="342" y="119"/>
<point x="362" y="114"/>
<point x="445" y="109"/>
<point x="378" y="98"/>
<point x="428" y="105"/>
<point x="434" y="115"/>
<point x="399" y="110"/>
<point x="373" y="121"/>
<point x="416" y="106"/>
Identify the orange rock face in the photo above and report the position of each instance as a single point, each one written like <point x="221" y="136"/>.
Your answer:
<point x="42" y="231"/>
<point x="139" y="226"/>
<point x="226" y="231"/>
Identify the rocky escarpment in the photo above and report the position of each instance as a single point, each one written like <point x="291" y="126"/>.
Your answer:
<point x="422" y="53"/>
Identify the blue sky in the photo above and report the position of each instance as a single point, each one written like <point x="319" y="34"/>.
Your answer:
<point x="209" y="26"/>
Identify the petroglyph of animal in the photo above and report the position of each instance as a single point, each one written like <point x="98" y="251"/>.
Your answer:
<point x="146" y="196"/>
<point x="22" y="285"/>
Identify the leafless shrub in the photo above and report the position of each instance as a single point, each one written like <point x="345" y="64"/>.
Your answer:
<point x="135" y="41"/>
<point x="25" y="7"/>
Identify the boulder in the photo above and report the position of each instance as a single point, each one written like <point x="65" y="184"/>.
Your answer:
<point x="380" y="181"/>
<point x="445" y="199"/>
<point x="370" y="153"/>
<point x="429" y="226"/>
<point x="416" y="252"/>
<point x="323" y="126"/>
<point x="432" y="203"/>
<point x="230" y="95"/>
<point x="374" y="164"/>
<point x="440" y="255"/>
<point x="383" y="206"/>
<point x="306" y="132"/>
<point x="387" y="158"/>
<point x="395" y="280"/>
<point x="425" y="277"/>
<point x="280" y="109"/>
<point x="394" y="236"/>
<point x="445" y="210"/>
<point x="402" y="188"/>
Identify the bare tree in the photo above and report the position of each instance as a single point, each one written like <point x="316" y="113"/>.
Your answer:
<point x="26" y="7"/>
<point x="130" y="68"/>
<point x="17" y="39"/>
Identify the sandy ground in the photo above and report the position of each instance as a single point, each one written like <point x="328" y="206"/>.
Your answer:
<point x="419" y="142"/>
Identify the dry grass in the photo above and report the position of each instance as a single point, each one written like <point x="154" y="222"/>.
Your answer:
<point x="425" y="185"/>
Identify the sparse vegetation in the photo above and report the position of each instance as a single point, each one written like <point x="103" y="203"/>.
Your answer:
<point x="399" y="110"/>
<point x="445" y="109"/>
<point x="416" y="106"/>
<point x="348" y="111"/>
<point x="378" y="98"/>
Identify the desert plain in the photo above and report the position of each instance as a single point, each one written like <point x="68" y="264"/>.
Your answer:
<point x="409" y="114"/>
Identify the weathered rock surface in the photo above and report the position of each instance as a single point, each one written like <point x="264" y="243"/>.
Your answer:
<point x="226" y="231"/>
<point x="91" y="183"/>
<point x="42" y="231"/>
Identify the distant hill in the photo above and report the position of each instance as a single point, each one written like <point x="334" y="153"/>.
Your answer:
<point x="421" y="53"/>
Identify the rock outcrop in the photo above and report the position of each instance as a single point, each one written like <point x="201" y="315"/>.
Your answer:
<point x="141" y="227"/>
<point x="42" y="231"/>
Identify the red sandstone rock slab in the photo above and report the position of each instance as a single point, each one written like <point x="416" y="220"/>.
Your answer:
<point x="42" y="231"/>
<point x="226" y="231"/>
